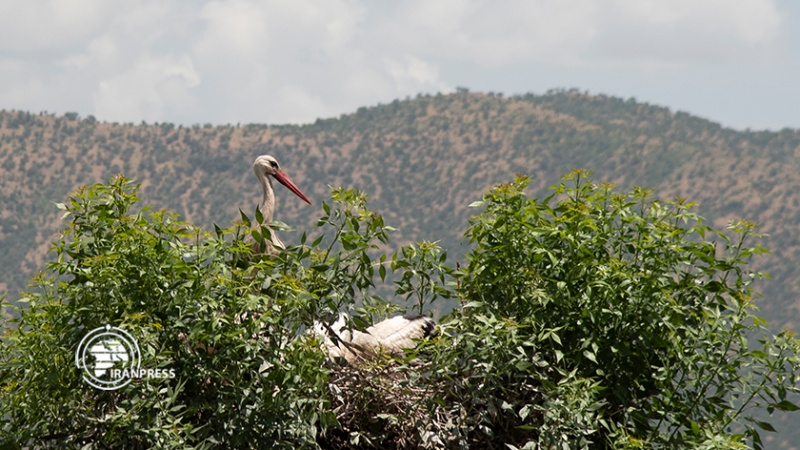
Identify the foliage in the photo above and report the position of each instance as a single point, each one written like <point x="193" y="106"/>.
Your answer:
<point x="590" y="319"/>
<point x="597" y="319"/>
<point x="232" y="327"/>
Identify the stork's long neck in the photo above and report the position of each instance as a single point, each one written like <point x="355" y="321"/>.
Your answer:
<point x="267" y="206"/>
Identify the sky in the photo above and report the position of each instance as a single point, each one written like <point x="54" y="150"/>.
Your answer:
<point x="736" y="62"/>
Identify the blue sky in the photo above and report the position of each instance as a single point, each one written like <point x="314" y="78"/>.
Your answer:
<point x="263" y="61"/>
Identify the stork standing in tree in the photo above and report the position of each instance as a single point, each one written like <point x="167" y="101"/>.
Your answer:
<point x="390" y="336"/>
<point x="266" y="168"/>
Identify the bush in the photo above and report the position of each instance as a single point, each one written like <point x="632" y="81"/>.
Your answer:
<point x="590" y="319"/>
<point x="232" y="327"/>
<point x="604" y="320"/>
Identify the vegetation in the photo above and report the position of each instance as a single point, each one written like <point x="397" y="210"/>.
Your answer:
<point x="421" y="160"/>
<point x="589" y="319"/>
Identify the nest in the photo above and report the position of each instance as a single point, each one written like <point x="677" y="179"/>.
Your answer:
<point x="384" y="405"/>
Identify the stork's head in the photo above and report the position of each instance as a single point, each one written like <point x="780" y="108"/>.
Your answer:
<point x="267" y="165"/>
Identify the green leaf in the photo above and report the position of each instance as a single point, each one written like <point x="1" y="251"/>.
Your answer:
<point x="524" y="412"/>
<point x="786" y="405"/>
<point x="476" y="305"/>
<point x="765" y="426"/>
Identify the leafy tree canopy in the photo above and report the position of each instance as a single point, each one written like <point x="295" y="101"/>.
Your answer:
<point x="589" y="319"/>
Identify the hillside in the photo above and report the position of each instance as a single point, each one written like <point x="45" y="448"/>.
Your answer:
<point x="420" y="160"/>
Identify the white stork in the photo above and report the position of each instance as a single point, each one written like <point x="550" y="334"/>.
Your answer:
<point x="391" y="336"/>
<point x="266" y="168"/>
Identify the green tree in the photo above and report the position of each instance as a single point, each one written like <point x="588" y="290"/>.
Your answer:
<point x="247" y="372"/>
<point x="606" y="320"/>
<point x="590" y="319"/>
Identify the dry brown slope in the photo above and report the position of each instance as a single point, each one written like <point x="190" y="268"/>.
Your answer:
<point x="421" y="161"/>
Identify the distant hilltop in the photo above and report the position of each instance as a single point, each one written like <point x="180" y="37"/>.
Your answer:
<point x="420" y="160"/>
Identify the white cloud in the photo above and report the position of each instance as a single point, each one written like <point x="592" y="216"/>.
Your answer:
<point x="687" y="31"/>
<point x="751" y="22"/>
<point x="234" y="30"/>
<point x="22" y="89"/>
<point x="149" y="91"/>
<point x="46" y="25"/>
<point x="412" y="74"/>
<point x="581" y="31"/>
<point x="296" y="104"/>
<point x="99" y="50"/>
<point x="490" y="33"/>
<point x="279" y="61"/>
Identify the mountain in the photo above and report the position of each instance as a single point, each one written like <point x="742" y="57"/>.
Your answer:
<point x="421" y="161"/>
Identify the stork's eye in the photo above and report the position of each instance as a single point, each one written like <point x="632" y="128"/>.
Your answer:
<point x="274" y="164"/>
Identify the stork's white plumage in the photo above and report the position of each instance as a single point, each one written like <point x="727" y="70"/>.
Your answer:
<point x="391" y="336"/>
<point x="266" y="167"/>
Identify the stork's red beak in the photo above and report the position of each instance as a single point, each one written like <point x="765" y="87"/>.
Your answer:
<point x="286" y="181"/>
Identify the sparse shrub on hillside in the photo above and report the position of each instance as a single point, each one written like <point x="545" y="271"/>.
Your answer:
<point x="590" y="319"/>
